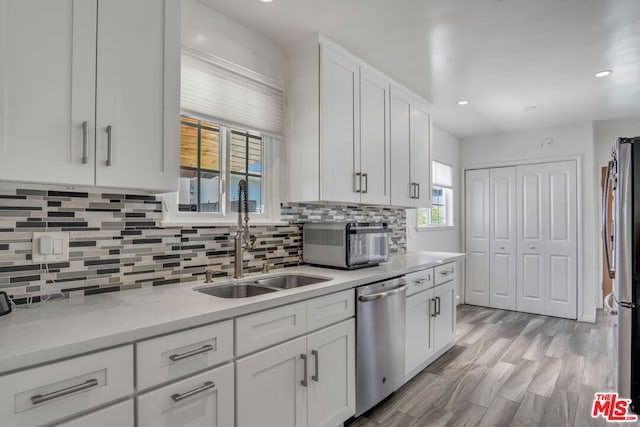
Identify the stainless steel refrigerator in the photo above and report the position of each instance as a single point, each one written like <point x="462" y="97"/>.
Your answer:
<point x="623" y="264"/>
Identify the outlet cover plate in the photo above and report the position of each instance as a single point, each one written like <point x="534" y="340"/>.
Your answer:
<point x="62" y="236"/>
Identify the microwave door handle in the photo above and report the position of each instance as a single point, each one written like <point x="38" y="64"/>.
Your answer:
<point x="605" y="220"/>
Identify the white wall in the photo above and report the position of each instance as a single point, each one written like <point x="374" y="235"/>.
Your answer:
<point x="605" y="133"/>
<point x="206" y="30"/>
<point x="445" y="149"/>
<point x="568" y="141"/>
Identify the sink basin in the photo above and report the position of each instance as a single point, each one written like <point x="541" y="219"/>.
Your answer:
<point x="290" y="281"/>
<point x="235" y="291"/>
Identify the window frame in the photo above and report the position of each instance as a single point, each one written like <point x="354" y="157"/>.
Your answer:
<point x="451" y="206"/>
<point x="270" y="181"/>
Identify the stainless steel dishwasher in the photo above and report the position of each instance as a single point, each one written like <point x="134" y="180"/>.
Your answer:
<point x="380" y="320"/>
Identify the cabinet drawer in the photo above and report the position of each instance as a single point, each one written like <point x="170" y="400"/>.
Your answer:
<point x="177" y="355"/>
<point x="42" y="395"/>
<point x="205" y="399"/>
<point x="266" y="328"/>
<point x="120" y="415"/>
<point x="419" y="281"/>
<point x="446" y="273"/>
<point x="330" y="309"/>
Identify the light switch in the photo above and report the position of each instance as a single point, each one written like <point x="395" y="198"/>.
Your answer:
<point x="57" y="246"/>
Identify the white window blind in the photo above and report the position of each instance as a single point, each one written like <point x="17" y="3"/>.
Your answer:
<point x="442" y="174"/>
<point x="225" y="95"/>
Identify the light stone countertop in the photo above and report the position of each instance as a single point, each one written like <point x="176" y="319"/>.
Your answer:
<point x="67" y="327"/>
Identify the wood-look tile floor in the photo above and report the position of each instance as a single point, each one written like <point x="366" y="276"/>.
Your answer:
<point x="507" y="369"/>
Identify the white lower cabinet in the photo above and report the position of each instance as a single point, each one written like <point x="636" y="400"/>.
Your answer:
<point x="308" y="381"/>
<point x="120" y="414"/>
<point x="204" y="400"/>
<point x="430" y="320"/>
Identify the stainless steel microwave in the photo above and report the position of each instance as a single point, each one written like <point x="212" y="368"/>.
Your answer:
<point x="345" y="244"/>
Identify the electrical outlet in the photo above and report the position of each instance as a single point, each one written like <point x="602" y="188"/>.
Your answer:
<point x="50" y="247"/>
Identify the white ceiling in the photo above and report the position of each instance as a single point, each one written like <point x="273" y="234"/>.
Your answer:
<point x="502" y="55"/>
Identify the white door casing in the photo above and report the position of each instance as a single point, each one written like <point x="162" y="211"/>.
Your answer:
<point x="477" y="237"/>
<point x="502" y="214"/>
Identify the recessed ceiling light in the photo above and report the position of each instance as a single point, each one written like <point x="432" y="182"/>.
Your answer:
<point x="463" y="102"/>
<point x="603" y="73"/>
<point x="530" y="108"/>
<point x="266" y="1"/>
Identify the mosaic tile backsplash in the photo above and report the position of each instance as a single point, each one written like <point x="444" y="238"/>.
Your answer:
<point x="117" y="242"/>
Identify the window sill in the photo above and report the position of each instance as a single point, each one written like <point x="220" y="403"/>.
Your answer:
<point x="217" y="222"/>
<point x="435" y="228"/>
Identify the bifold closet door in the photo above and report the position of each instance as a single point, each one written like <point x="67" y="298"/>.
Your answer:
<point x="502" y="214"/>
<point x="547" y="239"/>
<point x="477" y="237"/>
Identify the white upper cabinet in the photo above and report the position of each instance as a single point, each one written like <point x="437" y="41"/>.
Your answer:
<point x="339" y="126"/>
<point x="410" y="150"/>
<point x="374" y="135"/>
<point x="341" y="136"/>
<point x="68" y="70"/>
<point x="46" y="116"/>
<point x="137" y="94"/>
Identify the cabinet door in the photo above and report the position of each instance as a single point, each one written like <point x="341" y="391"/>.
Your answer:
<point x="421" y="155"/>
<point x="269" y="385"/>
<point x="47" y="90"/>
<point x="561" y="248"/>
<point x="477" y="237"/>
<point x="137" y="94"/>
<point x="120" y="414"/>
<point x="531" y="211"/>
<point x="204" y="400"/>
<point x="502" y="212"/>
<point x="374" y="138"/>
<point x="340" y="129"/>
<point x="444" y="324"/>
<point x="400" y="122"/>
<point x="332" y="375"/>
<point x="418" y="339"/>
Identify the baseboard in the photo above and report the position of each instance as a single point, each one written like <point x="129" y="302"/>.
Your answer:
<point x="587" y="318"/>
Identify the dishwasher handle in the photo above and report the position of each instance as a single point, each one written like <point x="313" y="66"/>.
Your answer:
<point x="374" y="297"/>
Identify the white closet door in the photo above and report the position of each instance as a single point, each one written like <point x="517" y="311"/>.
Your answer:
<point x="532" y="208"/>
<point x="502" y="212"/>
<point x="478" y="237"/>
<point x="561" y="250"/>
<point x="547" y="239"/>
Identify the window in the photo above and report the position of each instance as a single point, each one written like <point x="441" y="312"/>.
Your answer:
<point x="441" y="212"/>
<point x="213" y="160"/>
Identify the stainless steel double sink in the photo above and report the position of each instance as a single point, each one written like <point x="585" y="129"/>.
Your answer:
<point x="252" y="287"/>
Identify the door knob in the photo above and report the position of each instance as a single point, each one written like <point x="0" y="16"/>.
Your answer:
<point x="532" y="247"/>
<point x="502" y="248"/>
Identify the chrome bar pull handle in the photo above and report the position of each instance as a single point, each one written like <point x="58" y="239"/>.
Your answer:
<point x="181" y="356"/>
<point x="85" y="142"/>
<point x="41" y="398"/>
<point x="109" y="151"/>
<point x="374" y="297"/>
<point x="418" y="188"/>
<point x="316" y="376"/>
<point x="357" y="182"/>
<point x="438" y="306"/>
<point x="181" y="396"/>
<point x="433" y="313"/>
<point x="304" y="381"/>
<point x="366" y="182"/>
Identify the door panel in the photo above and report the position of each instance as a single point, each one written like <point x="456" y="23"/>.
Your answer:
<point x="374" y="142"/>
<point x="400" y="122"/>
<point x="339" y="100"/>
<point x="418" y="339"/>
<point x="269" y="392"/>
<point x="332" y="392"/>
<point x="561" y="251"/>
<point x="478" y="237"/>
<point x="135" y="97"/>
<point x="502" y="214"/>
<point x="47" y="90"/>
<point x="421" y="155"/>
<point x="444" y="325"/>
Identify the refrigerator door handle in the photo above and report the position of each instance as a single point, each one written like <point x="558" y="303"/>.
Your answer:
<point x="623" y="304"/>
<point x="605" y="220"/>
